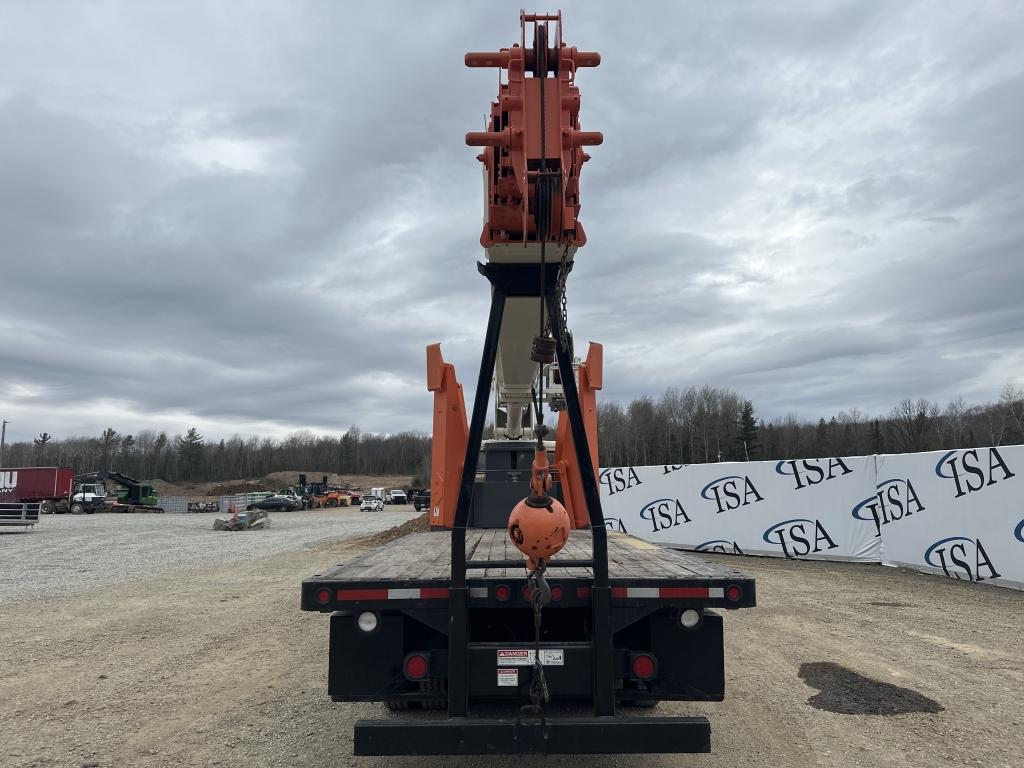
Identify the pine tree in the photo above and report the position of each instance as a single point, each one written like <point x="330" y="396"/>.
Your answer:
<point x="190" y="449"/>
<point x="746" y="439"/>
<point x="41" y="443"/>
<point x="107" y="440"/>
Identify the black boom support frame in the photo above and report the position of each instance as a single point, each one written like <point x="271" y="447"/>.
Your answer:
<point x="603" y="731"/>
<point x="507" y="281"/>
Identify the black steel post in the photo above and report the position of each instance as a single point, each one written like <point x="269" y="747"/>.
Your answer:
<point x="601" y="596"/>
<point x="458" y="602"/>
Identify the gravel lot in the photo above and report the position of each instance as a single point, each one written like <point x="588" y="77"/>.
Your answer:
<point x="840" y="666"/>
<point x="64" y="554"/>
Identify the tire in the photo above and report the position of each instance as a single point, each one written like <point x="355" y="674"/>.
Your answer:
<point x="397" y="705"/>
<point x="46" y="507"/>
<point x="76" y="509"/>
<point x="416" y="506"/>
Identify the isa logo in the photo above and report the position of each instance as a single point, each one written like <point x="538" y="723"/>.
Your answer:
<point x="664" y="513"/>
<point x="962" y="558"/>
<point x="970" y="472"/>
<point x="721" y="546"/>
<point x="810" y="472"/>
<point x="894" y="500"/>
<point x="8" y="481"/>
<point x="619" y="479"/>
<point x="731" y="492"/>
<point x="799" y="537"/>
<point x="615" y="524"/>
<point x="1018" y="532"/>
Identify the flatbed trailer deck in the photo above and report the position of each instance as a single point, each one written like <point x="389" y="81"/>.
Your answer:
<point x="417" y="569"/>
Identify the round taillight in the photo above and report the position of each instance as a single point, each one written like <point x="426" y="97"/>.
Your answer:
<point x="502" y="593"/>
<point x="323" y="596"/>
<point x="416" y="666"/>
<point x="733" y="593"/>
<point x="644" y="666"/>
<point x="526" y="592"/>
<point x="556" y="593"/>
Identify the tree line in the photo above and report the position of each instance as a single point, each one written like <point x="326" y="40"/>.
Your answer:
<point x="698" y="425"/>
<point x="190" y="457"/>
<point x="695" y="425"/>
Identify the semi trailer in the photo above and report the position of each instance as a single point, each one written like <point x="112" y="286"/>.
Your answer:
<point x="53" y="489"/>
<point x="519" y="604"/>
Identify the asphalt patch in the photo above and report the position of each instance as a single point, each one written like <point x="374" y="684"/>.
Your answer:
<point x="845" y="692"/>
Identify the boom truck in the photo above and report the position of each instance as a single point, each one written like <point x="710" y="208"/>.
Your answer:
<point x="519" y="598"/>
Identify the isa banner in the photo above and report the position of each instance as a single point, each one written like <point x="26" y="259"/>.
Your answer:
<point x="961" y="513"/>
<point x="795" y="509"/>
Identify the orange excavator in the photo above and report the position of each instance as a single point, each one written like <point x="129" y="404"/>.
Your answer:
<point x="519" y="597"/>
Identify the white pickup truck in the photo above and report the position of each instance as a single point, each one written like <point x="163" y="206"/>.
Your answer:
<point x="396" y="497"/>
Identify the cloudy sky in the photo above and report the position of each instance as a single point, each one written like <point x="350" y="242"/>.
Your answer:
<point x="252" y="217"/>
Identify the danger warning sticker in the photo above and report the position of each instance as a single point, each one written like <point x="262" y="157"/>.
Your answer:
<point x="508" y="678"/>
<point x="523" y="657"/>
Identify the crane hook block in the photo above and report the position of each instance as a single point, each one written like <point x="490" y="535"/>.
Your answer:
<point x="539" y="525"/>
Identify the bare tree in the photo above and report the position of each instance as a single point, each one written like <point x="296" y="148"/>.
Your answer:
<point x="913" y="424"/>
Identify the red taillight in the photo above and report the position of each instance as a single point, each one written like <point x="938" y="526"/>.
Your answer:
<point x="526" y="592"/>
<point x="323" y="596"/>
<point x="502" y="593"/>
<point x="556" y="593"/>
<point x="417" y="666"/>
<point x="733" y="593"/>
<point x="643" y="666"/>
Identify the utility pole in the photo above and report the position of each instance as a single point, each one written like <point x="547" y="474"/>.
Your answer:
<point x="3" y="435"/>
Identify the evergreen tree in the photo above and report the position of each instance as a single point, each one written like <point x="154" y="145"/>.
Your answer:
<point x="190" y="449"/>
<point x="41" y="444"/>
<point x="746" y="438"/>
<point x="107" y="441"/>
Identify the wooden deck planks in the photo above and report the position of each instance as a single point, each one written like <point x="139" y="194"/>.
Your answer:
<point x="427" y="557"/>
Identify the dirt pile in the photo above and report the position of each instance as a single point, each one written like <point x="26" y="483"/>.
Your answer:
<point x="164" y="488"/>
<point x="363" y="482"/>
<point x="232" y="488"/>
<point x="416" y="525"/>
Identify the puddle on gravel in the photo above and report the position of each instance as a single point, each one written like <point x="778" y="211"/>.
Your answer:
<point x="845" y="692"/>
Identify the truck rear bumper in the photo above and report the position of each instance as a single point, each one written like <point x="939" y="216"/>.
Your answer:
<point x="570" y="736"/>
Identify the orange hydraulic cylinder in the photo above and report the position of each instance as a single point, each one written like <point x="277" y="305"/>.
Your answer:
<point x="451" y="433"/>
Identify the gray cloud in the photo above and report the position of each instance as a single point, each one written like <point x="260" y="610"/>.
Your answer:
<point x="254" y="218"/>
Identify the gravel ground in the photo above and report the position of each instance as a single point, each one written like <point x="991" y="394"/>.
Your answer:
<point x="840" y="666"/>
<point x="64" y="554"/>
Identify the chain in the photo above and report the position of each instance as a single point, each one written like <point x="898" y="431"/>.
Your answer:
<point x="563" y="274"/>
<point x="540" y="595"/>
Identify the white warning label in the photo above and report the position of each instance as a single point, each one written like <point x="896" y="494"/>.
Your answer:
<point x="508" y="678"/>
<point x="523" y="657"/>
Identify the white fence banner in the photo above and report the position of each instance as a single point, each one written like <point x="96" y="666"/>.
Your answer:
<point x="962" y="514"/>
<point x="955" y="513"/>
<point x="800" y="509"/>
